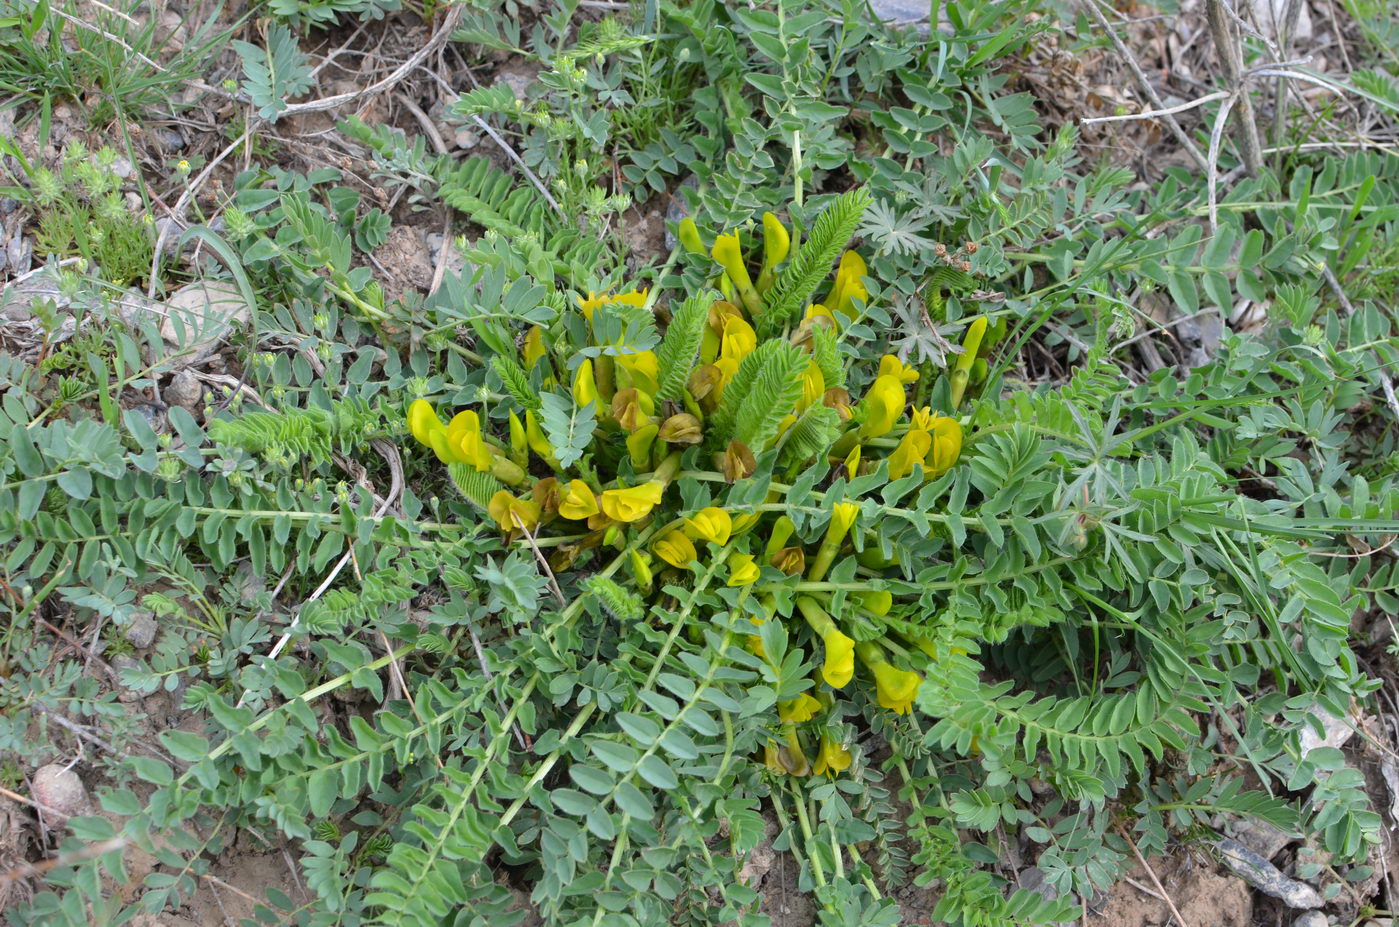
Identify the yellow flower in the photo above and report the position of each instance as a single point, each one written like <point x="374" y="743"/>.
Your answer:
<point x="729" y="254"/>
<point x="848" y="286"/>
<point x="641" y="570"/>
<point x="946" y="447"/>
<point x="465" y="440"/>
<point x="817" y="311"/>
<point x="832" y="758"/>
<point x="579" y="501"/>
<point x="537" y="442"/>
<point x="852" y="462"/>
<point x="631" y="408"/>
<point x="534" y="346"/>
<point x="423" y="421"/>
<point x="813" y="387"/>
<point x="630" y="298"/>
<point x="689" y="236"/>
<point x="712" y="524"/>
<point x="519" y="444"/>
<point x="737" y="462"/>
<point x="585" y="387"/>
<point x="632" y="503"/>
<point x="912" y="449"/>
<point x="843" y="515"/>
<point x="639" y="444"/>
<point x="640" y="370"/>
<point x="890" y="364"/>
<point x="512" y="514"/>
<point x="790" y="560"/>
<point x="800" y="709"/>
<point x="739" y="339"/>
<point x="742" y="570"/>
<point x="877" y="602"/>
<point x="895" y="689"/>
<point x="681" y="428"/>
<point x="776" y="243"/>
<point x="676" y="549"/>
<point x="839" y="665"/>
<point x="884" y="403"/>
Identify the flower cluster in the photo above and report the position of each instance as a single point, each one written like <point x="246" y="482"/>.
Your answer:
<point x="712" y="393"/>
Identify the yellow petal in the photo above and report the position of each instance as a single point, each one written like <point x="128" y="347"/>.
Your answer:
<point x="712" y="524"/>
<point x="743" y="571"/>
<point x="639" y="444"/>
<point x="884" y="403"/>
<point x="946" y="446"/>
<point x="831" y="758"/>
<point x="890" y="365"/>
<point x="640" y="370"/>
<point x="895" y="689"/>
<point x="912" y="449"/>
<point x="579" y="501"/>
<point x="584" y="386"/>
<point x="633" y="503"/>
<point x="534" y="346"/>
<point x="511" y="513"/>
<point x="739" y="339"/>
<point x="676" y="549"/>
<point x="423" y="421"/>
<point x="800" y="709"/>
<point x="839" y="666"/>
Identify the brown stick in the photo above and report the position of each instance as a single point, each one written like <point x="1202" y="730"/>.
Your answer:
<point x="1154" y="881"/>
<point x="1228" y="51"/>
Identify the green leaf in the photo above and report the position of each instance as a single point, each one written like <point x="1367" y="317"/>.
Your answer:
<point x="813" y="261"/>
<point x="568" y="428"/>
<point x="275" y="73"/>
<point x="675" y="357"/>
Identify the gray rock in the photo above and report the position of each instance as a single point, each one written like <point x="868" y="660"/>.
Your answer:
<point x="20" y="254"/>
<point x="1336" y="732"/>
<point x="154" y="416"/>
<point x="1312" y="919"/>
<point x="122" y="168"/>
<point x="184" y="390"/>
<point x="141" y="631"/>
<point x="167" y="231"/>
<point x="60" y="793"/>
<point x="200" y="315"/>
<point x="1264" y="876"/>
<point x="170" y="140"/>
<point x="467" y="139"/>
<point x="516" y="81"/>
<point x="1259" y="836"/>
<point x="123" y="663"/>
<point x="8" y="204"/>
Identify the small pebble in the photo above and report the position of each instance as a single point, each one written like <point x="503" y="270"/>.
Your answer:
<point x="122" y="168"/>
<point x="8" y="204"/>
<point x="1264" y="876"/>
<point x="141" y="631"/>
<point x="1311" y="919"/>
<point x="122" y="663"/>
<point x="170" y="140"/>
<point x="184" y="390"/>
<point x="465" y="138"/>
<point x="61" y="793"/>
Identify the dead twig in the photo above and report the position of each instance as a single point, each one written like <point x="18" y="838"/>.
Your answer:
<point x="1175" y="912"/>
<point x="1144" y="83"/>
<point x="1229" y="52"/>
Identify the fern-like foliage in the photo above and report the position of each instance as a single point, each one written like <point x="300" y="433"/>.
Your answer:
<point x="568" y="428"/>
<point x="274" y="74"/>
<point x="476" y="486"/>
<point x="311" y="434"/>
<point x="622" y="603"/>
<point x="812" y="433"/>
<point x="812" y="264"/>
<point x="769" y="392"/>
<point x="676" y="355"/>
<point x="825" y="351"/>
<point x="517" y="381"/>
<point x="495" y="99"/>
